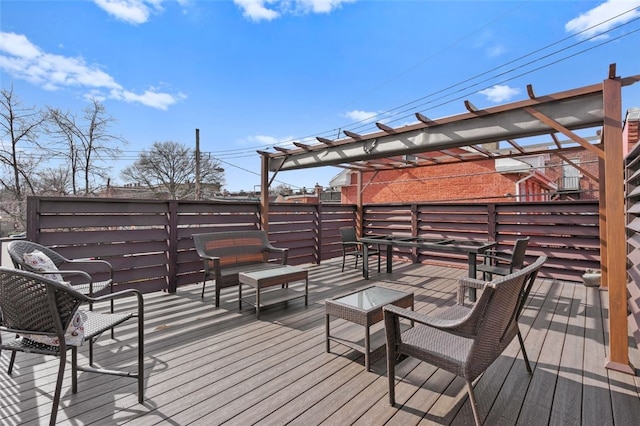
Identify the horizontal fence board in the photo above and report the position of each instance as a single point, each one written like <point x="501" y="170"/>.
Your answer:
<point x="99" y="206"/>
<point x="120" y="221"/>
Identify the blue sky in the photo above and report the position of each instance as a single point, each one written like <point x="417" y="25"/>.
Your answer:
<point x="251" y="74"/>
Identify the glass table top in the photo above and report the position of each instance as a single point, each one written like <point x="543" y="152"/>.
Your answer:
<point x="371" y="297"/>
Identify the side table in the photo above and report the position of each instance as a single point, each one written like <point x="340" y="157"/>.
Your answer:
<point x="363" y="307"/>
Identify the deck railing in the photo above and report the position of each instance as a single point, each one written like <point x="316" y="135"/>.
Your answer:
<point x="149" y="241"/>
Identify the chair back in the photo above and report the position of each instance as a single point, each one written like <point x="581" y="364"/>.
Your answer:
<point x="18" y="248"/>
<point x="519" y="251"/>
<point x="495" y="315"/>
<point x="348" y="234"/>
<point x="33" y="304"/>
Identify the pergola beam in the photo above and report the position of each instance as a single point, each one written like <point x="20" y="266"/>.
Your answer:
<point x="500" y="123"/>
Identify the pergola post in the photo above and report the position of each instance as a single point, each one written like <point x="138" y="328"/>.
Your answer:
<point x="359" y="208"/>
<point x="264" y="193"/>
<point x="615" y="243"/>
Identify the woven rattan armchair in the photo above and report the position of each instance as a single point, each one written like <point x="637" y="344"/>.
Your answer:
<point x="351" y="246"/>
<point x="463" y="340"/>
<point x="17" y="250"/>
<point x="502" y="262"/>
<point x="34" y="307"/>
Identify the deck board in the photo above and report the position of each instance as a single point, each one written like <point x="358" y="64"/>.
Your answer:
<point x="222" y="366"/>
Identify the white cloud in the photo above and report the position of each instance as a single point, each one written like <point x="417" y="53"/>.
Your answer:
<point x="499" y="93"/>
<point x="23" y="60"/>
<point x="357" y="115"/>
<point x="267" y="10"/>
<point x="263" y="140"/>
<point x="610" y="9"/>
<point x="130" y="11"/>
<point x="496" y="51"/>
<point x="256" y="10"/>
<point x="320" y="6"/>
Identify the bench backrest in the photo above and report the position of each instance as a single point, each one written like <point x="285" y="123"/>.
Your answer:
<point x="234" y="247"/>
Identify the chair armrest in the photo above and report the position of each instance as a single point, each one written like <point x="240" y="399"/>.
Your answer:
<point x="120" y="295"/>
<point x="63" y="272"/>
<point x="94" y="262"/>
<point x="216" y="263"/>
<point x="497" y="256"/>
<point x="442" y="324"/>
<point x="211" y="258"/>
<point x="284" y="252"/>
<point x="465" y="283"/>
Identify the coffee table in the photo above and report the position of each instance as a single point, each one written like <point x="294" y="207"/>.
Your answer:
<point x="281" y="276"/>
<point x="364" y="307"/>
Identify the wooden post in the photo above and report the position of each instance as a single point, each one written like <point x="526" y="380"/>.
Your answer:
<point x="616" y="256"/>
<point x="172" y="273"/>
<point x="198" y="164"/>
<point x="264" y="194"/>
<point x="359" y="208"/>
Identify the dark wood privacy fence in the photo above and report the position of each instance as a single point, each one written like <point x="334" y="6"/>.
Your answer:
<point x="567" y="232"/>
<point x="149" y="242"/>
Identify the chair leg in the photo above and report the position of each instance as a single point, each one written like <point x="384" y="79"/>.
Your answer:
<point x="391" y="375"/>
<point x="11" y="362"/>
<point x="524" y="353"/>
<point x="91" y="352"/>
<point x="472" y="400"/>
<point x="140" y="357"/>
<point x="58" y="391"/>
<point x="390" y="330"/>
<point x="203" y="283"/>
<point x="344" y="258"/>
<point x="74" y="369"/>
<point x="113" y="334"/>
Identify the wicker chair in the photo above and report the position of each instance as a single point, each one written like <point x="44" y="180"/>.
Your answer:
<point x="463" y="340"/>
<point x="17" y="250"/>
<point x="33" y="305"/>
<point x="352" y="247"/>
<point x="502" y="262"/>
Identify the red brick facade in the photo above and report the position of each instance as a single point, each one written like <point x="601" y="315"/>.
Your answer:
<point x="475" y="182"/>
<point x="480" y="182"/>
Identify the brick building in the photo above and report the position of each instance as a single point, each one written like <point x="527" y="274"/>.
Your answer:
<point x="573" y="175"/>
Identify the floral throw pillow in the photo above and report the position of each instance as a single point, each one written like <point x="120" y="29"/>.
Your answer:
<point x="41" y="263"/>
<point x="73" y="336"/>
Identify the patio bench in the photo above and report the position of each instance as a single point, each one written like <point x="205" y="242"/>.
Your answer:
<point x="226" y="254"/>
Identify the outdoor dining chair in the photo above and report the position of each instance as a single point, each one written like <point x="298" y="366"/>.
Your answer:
<point x="351" y="246"/>
<point x="463" y="340"/>
<point x="34" y="257"/>
<point x="503" y="262"/>
<point x="43" y="315"/>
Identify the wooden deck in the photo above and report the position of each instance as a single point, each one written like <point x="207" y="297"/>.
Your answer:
<point x="209" y="366"/>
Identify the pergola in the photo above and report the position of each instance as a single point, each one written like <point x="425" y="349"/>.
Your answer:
<point x="463" y="138"/>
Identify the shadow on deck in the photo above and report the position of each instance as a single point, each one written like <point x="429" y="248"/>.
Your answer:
<point x="215" y="366"/>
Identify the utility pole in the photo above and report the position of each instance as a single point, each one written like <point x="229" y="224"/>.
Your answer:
<point x="197" y="164"/>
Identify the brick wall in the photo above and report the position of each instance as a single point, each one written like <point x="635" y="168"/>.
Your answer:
<point x="468" y="182"/>
<point x="456" y="182"/>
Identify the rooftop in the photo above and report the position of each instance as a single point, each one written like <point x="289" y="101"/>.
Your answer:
<point x="212" y="366"/>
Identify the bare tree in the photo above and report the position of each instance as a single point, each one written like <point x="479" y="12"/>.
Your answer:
<point x="169" y="168"/>
<point x="88" y="145"/>
<point x="19" y="130"/>
<point x="53" y="182"/>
